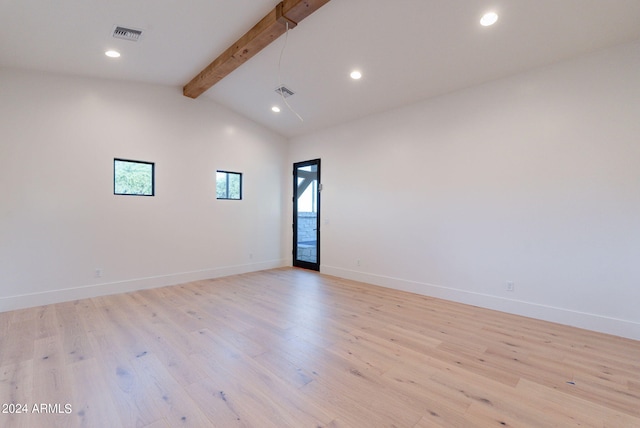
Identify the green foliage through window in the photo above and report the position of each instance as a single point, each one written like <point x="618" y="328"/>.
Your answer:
<point x="228" y="185"/>
<point x="133" y="177"/>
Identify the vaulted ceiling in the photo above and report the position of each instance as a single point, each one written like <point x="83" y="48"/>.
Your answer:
<point x="407" y="50"/>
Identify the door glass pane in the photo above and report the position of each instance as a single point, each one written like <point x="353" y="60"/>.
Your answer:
<point x="307" y="209"/>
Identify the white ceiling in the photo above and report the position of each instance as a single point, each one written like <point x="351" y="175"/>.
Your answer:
<point x="408" y="50"/>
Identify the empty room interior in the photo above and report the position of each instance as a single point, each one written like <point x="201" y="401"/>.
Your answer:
<point x="320" y="213"/>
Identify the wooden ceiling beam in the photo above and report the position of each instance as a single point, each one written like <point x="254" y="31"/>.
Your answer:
<point x="272" y="26"/>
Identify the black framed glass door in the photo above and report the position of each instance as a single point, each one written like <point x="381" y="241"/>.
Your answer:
<point x="306" y="214"/>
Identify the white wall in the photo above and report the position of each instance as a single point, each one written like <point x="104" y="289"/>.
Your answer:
<point x="59" y="219"/>
<point x="533" y="179"/>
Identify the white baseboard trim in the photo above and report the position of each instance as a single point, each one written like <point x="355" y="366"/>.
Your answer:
<point x="594" y="322"/>
<point x="30" y="300"/>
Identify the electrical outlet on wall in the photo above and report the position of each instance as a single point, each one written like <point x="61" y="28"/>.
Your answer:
<point x="98" y="273"/>
<point x="510" y="286"/>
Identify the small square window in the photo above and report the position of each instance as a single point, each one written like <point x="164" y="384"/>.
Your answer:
<point x="228" y="185"/>
<point x="133" y="177"/>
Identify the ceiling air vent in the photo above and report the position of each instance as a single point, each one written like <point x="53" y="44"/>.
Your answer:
<point x="284" y="91"/>
<point x="127" y="34"/>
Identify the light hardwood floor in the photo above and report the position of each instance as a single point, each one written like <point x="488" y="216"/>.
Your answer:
<point x="292" y="348"/>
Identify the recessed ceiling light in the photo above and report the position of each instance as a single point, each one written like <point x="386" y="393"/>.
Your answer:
<point x="112" y="54"/>
<point x="275" y="109"/>
<point x="355" y="75"/>
<point x="488" y="19"/>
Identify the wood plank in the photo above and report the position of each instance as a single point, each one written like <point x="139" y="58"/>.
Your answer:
<point x="164" y="392"/>
<point x="160" y="423"/>
<point x="16" y="387"/>
<point x="268" y="29"/>
<point x="17" y="344"/>
<point x="46" y="322"/>
<point x="585" y="411"/>
<point x="73" y="333"/>
<point x="51" y="378"/>
<point x="256" y="396"/>
<point x="92" y="401"/>
<point x="127" y="390"/>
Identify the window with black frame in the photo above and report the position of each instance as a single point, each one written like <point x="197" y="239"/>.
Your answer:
<point x="228" y="185"/>
<point x="135" y="178"/>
